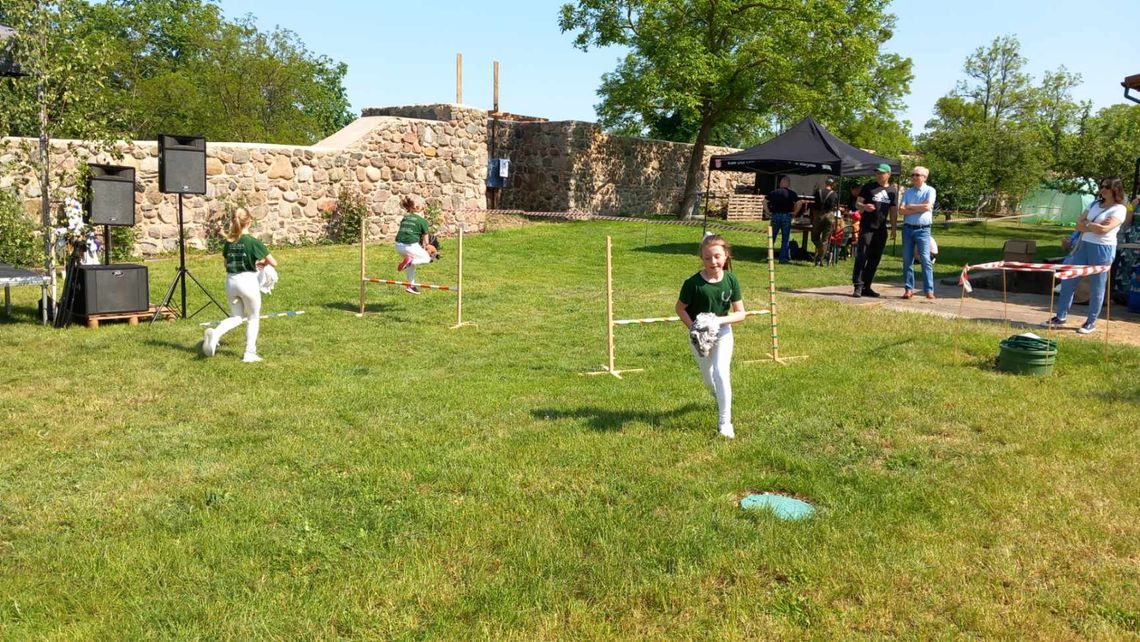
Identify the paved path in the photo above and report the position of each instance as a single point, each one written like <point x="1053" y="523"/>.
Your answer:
<point x="1022" y="310"/>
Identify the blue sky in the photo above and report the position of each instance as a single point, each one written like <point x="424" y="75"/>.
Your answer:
<point x="404" y="52"/>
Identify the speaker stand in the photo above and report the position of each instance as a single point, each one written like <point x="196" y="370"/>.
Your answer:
<point x="180" y="277"/>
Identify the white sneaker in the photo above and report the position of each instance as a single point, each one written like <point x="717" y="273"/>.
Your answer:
<point x="727" y="431"/>
<point x="209" y="343"/>
<point x="250" y="358"/>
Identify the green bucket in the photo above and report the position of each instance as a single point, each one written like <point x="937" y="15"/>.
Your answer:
<point x="1021" y="354"/>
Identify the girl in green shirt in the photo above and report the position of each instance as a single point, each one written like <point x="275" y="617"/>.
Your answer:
<point x="715" y="289"/>
<point x="243" y="255"/>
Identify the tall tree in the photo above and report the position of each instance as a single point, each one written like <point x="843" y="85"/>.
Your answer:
<point x="703" y="66"/>
<point x="997" y="134"/>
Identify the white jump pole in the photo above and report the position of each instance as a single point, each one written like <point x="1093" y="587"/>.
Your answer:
<point x="363" y="276"/>
<point x="459" y="322"/>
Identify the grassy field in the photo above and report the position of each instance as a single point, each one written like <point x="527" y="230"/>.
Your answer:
<point x="387" y="477"/>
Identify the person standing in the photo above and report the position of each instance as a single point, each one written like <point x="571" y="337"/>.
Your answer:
<point x="783" y="204"/>
<point x="715" y="289"/>
<point x="1097" y="246"/>
<point x="244" y="255"/>
<point x="826" y="211"/>
<point x="877" y="200"/>
<point x="412" y="242"/>
<point x="917" y="208"/>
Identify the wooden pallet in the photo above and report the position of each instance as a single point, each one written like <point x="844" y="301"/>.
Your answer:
<point x="745" y="207"/>
<point x="132" y="318"/>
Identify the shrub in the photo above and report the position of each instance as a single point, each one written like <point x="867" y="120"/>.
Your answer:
<point x="346" y="218"/>
<point x="19" y="242"/>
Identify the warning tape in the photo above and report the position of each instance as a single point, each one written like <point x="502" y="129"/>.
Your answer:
<point x="1061" y="271"/>
<point x="586" y="216"/>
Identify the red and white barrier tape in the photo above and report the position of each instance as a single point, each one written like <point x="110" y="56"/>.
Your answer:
<point x="1061" y="271"/>
<point x="586" y="216"/>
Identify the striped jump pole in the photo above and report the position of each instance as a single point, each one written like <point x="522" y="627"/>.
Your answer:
<point x="457" y="289"/>
<point x="275" y="315"/>
<point x="775" y="354"/>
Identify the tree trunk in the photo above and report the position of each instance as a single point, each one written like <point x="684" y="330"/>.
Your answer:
<point x="696" y="163"/>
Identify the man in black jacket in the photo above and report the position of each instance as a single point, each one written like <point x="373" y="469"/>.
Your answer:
<point x="877" y="200"/>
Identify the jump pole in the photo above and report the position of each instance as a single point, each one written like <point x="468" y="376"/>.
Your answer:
<point x="609" y="367"/>
<point x="363" y="233"/>
<point x="775" y="354"/>
<point x="459" y="322"/>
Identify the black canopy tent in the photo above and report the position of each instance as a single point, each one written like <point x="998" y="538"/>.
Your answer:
<point x="806" y="148"/>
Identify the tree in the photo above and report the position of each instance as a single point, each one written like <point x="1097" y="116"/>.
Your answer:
<point x="997" y="134"/>
<point x="63" y="94"/>
<point x="181" y="67"/>
<point x="1107" y="144"/>
<point x="703" y="68"/>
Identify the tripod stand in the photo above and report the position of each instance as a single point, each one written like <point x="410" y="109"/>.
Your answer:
<point x="181" y="275"/>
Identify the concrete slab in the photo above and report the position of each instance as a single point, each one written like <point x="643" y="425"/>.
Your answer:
<point x="1019" y="309"/>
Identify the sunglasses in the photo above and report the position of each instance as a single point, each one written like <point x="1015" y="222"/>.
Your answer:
<point x="917" y="174"/>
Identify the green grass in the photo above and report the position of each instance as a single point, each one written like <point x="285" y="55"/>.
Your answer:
<point x="387" y="477"/>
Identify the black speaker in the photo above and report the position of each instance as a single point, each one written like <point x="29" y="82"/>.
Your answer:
<point x="101" y="289"/>
<point x="181" y="164"/>
<point x="111" y="195"/>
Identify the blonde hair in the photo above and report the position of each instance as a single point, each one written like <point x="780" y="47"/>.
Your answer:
<point x="239" y="224"/>
<point x="716" y="239"/>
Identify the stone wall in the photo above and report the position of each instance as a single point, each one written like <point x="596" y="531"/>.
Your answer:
<point x="572" y="165"/>
<point x="289" y="189"/>
<point x="435" y="153"/>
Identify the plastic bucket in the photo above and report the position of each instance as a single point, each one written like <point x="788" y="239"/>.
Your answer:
<point x="1027" y="357"/>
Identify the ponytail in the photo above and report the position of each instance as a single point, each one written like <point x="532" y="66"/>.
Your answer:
<point x="238" y="224"/>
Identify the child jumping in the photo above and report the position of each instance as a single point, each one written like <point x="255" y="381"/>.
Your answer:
<point x="243" y="255"/>
<point x="716" y="290"/>
<point x="412" y="242"/>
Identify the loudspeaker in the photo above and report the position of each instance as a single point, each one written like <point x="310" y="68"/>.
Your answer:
<point x="181" y="164"/>
<point x="111" y="195"/>
<point x="101" y="289"/>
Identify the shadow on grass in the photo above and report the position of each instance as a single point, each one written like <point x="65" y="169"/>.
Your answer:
<point x="194" y="348"/>
<point x="608" y="419"/>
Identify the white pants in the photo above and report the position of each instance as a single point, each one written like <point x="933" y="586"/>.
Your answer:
<point x="715" y="372"/>
<point x="418" y="255"/>
<point x="244" y="295"/>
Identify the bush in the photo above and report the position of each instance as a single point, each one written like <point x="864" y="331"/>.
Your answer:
<point x="122" y="243"/>
<point x="19" y="243"/>
<point x="346" y="218"/>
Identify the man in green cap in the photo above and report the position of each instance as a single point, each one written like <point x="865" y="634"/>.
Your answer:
<point x="877" y="200"/>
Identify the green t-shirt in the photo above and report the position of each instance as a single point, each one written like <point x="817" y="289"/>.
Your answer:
<point x="412" y="229"/>
<point x="699" y="295"/>
<point x="243" y="254"/>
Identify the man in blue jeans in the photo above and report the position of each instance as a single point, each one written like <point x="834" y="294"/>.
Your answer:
<point x="917" y="208"/>
<point x="783" y="204"/>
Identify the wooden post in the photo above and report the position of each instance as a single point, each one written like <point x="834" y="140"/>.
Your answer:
<point x="459" y="78"/>
<point x="459" y="322"/>
<point x="1108" y="311"/>
<point x="363" y="233"/>
<point x="609" y="368"/>
<point x="1004" y="299"/>
<point x="775" y="354"/>
<point x="609" y="304"/>
<point x="496" y="99"/>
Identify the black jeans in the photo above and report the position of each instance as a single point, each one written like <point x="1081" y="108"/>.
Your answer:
<point x="868" y="253"/>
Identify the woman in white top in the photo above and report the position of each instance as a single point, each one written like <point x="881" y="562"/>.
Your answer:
<point x="1096" y="246"/>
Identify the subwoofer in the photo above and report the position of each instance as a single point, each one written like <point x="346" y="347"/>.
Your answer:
<point x="102" y="289"/>
<point x="181" y="164"/>
<point x="111" y="195"/>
